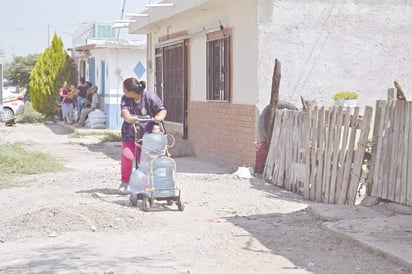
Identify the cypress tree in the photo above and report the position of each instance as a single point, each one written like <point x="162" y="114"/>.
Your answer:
<point x="52" y="68"/>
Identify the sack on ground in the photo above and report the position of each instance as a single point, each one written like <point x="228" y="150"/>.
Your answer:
<point x="96" y="120"/>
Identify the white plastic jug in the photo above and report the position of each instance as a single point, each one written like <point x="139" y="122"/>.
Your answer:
<point x="154" y="145"/>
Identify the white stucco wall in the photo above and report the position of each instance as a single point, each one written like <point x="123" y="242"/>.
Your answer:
<point x="119" y="64"/>
<point x="123" y="60"/>
<point x="238" y="15"/>
<point x="330" y="46"/>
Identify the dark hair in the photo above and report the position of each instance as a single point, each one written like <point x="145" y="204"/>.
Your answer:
<point x="82" y="80"/>
<point x="132" y="84"/>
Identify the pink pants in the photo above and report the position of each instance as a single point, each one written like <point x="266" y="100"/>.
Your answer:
<point x="128" y="154"/>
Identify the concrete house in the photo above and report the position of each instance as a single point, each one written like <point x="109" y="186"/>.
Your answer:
<point x="212" y="61"/>
<point x="105" y="59"/>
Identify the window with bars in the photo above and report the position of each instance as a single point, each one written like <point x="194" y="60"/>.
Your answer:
<point x="218" y="69"/>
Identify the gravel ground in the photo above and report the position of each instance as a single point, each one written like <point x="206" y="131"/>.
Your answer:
<point x="75" y="221"/>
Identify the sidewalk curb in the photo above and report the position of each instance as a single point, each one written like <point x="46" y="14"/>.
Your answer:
<point x="372" y="232"/>
<point x="372" y="248"/>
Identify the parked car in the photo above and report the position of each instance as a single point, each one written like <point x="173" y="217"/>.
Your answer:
<point x="9" y="87"/>
<point x="13" y="104"/>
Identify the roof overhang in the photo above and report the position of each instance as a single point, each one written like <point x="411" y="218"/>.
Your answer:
<point x="144" y="24"/>
<point x="90" y="47"/>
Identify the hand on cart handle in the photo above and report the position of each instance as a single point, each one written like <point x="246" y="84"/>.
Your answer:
<point x="135" y="119"/>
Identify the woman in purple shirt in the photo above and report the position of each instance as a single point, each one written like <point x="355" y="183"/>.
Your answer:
<point x="135" y="102"/>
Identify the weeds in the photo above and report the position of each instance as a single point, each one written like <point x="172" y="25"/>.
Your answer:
<point x="30" y="116"/>
<point x="15" y="160"/>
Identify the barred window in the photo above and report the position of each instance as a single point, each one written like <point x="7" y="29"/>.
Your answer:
<point x="218" y="69"/>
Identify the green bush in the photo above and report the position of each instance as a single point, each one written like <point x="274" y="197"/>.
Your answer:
<point x="345" y="95"/>
<point x="30" y="116"/>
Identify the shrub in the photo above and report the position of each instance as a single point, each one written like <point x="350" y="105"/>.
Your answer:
<point x="30" y="116"/>
<point x="345" y="95"/>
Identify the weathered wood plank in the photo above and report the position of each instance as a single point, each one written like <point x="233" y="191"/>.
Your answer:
<point x="308" y="154"/>
<point x="329" y="153"/>
<point x="312" y="189"/>
<point x="348" y="161"/>
<point x="280" y="177"/>
<point x="320" y="156"/>
<point x="392" y="145"/>
<point x="287" y="147"/>
<point x="359" y="154"/>
<point x="377" y="190"/>
<point x="274" y="96"/>
<point x="376" y="146"/>
<point x="386" y="151"/>
<point x="409" y="159"/>
<point x="335" y="155"/>
<point x="342" y="185"/>
<point x="404" y="152"/>
<point x="271" y="155"/>
<point x="325" y="165"/>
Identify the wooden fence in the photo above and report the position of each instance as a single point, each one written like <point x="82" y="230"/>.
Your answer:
<point x="391" y="169"/>
<point x="319" y="153"/>
<point x="286" y="156"/>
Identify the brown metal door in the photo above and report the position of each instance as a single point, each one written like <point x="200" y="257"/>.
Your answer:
<point x="171" y="83"/>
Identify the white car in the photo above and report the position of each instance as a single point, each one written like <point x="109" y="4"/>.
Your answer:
<point x="13" y="104"/>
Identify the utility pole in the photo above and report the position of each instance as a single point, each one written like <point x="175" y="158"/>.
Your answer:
<point x="48" y="35"/>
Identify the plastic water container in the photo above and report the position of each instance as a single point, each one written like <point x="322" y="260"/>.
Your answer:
<point x="164" y="170"/>
<point x="139" y="181"/>
<point x="153" y="146"/>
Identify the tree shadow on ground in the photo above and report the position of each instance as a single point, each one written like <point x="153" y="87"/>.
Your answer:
<point x="276" y="192"/>
<point x="58" y="129"/>
<point x="301" y="237"/>
<point x="110" y="149"/>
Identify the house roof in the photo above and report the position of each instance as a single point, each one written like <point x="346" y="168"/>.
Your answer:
<point x="158" y="14"/>
<point x="108" y="45"/>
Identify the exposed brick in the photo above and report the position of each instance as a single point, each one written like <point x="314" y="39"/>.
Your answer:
<point x="223" y="132"/>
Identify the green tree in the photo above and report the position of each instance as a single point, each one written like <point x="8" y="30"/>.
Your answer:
<point x="52" y="68"/>
<point x="18" y="71"/>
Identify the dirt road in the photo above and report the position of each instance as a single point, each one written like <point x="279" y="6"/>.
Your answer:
<point x="76" y="222"/>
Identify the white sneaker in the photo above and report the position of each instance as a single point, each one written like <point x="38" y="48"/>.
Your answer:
<point x="123" y="188"/>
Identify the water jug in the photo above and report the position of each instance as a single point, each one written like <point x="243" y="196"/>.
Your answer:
<point x="164" y="169"/>
<point x="139" y="181"/>
<point x="154" y="145"/>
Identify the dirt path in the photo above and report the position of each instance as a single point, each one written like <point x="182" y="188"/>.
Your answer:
<point x="75" y="222"/>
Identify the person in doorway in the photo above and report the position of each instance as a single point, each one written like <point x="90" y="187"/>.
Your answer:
<point x="87" y="102"/>
<point x="135" y="102"/>
<point x="81" y="95"/>
<point x="95" y="103"/>
<point x="66" y="104"/>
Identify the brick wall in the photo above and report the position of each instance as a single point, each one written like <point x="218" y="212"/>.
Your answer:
<point x="223" y="133"/>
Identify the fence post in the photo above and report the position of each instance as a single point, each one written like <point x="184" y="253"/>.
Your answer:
<point x="392" y="94"/>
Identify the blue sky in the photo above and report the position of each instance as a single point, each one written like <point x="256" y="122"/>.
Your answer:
<point x="26" y="25"/>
